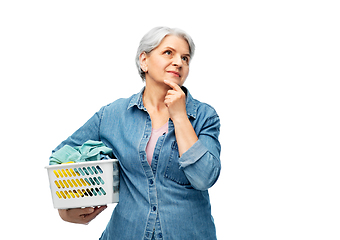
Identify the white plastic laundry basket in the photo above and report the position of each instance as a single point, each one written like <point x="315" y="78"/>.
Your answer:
<point x="84" y="184"/>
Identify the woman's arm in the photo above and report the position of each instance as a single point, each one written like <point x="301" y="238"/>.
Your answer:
<point x="89" y="131"/>
<point x="199" y="155"/>
<point x="201" y="163"/>
<point x="175" y="102"/>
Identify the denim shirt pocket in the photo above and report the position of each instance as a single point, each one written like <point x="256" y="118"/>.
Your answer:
<point x="172" y="170"/>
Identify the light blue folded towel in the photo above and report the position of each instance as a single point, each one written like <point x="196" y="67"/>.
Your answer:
<point x="89" y="151"/>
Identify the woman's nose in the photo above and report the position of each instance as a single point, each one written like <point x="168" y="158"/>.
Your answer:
<point x="177" y="61"/>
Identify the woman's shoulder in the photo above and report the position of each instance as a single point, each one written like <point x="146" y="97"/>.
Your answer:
<point x="200" y="108"/>
<point x="206" y="113"/>
<point x="203" y="106"/>
<point x="121" y="103"/>
<point x="205" y="116"/>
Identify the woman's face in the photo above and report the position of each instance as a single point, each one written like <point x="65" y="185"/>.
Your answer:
<point x="169" y="61"/>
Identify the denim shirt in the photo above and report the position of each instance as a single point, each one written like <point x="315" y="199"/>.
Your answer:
<point x="169" y="199"/>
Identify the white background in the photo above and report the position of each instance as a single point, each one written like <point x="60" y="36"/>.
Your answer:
<point x="270" y="69"/>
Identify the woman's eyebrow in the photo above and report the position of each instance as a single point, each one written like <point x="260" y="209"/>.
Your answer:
<point x="187" y="55"/>
<point x="171" y="48"/>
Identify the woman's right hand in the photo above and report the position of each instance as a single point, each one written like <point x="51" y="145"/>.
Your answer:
<point x="80" y="215"/>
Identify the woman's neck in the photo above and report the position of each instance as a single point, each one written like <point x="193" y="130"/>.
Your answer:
<point x="153" y="100"/>
<point x="154" y="95"/>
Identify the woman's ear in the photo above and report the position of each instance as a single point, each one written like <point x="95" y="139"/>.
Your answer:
<point x="143" y="62"/>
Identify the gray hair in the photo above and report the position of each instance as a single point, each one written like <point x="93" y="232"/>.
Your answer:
<point x="154" y="37"/>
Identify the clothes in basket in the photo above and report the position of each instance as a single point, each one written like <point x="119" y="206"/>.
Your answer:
<point x="89" y="151"/>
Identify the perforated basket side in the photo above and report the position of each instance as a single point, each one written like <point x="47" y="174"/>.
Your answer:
<point x="84" y="184"/>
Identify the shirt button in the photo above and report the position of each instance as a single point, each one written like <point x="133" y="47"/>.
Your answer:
<point x="154" y="208"/>
<point x="151" y="181"/>
<point x="160" y="235"/>
<point x="156" y="157"/>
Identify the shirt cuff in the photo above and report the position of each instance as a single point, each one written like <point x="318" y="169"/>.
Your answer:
<point x="192" y="155"/>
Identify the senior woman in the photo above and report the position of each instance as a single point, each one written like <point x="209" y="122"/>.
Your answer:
<point x="167" y="146"/>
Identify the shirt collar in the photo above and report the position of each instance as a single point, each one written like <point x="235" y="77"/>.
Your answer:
<point x="137" y="100"/>
<point x="191" y="104"/>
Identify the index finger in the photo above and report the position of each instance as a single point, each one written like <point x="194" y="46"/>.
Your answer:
<point x="173" y="85"/>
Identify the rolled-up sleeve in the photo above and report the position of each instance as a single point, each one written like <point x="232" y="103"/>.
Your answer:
<point x="201" y="163"/>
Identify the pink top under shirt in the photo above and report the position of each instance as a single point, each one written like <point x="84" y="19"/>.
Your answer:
<point x="155" y="134"/>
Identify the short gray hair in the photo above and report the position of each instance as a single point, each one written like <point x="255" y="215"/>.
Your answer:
<point x="154" y="37"/>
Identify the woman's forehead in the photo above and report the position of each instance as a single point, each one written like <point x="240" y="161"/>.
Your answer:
<point x="176" y="43"/>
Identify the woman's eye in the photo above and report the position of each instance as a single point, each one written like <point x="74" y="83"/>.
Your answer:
<point x="185" y="59"/>
<point x="168" y="52"/>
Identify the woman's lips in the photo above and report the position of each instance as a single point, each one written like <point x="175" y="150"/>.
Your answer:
<point x="174" y="73"/>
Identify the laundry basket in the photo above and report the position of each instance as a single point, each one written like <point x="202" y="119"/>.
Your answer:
<point x="84" y="184"/>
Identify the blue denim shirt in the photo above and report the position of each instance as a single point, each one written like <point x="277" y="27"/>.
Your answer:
<point x="169" y="199"/>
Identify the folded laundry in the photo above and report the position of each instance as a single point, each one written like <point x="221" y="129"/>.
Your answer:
<point x="89" y="151"/>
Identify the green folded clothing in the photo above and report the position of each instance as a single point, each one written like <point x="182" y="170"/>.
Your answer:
<point x="89" y="151"/>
